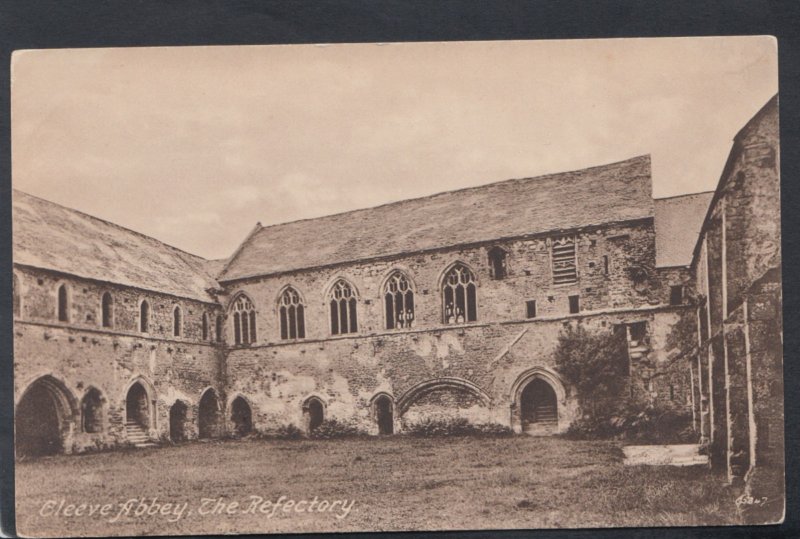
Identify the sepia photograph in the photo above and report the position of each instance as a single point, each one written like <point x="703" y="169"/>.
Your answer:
<point x="406" y="286"/>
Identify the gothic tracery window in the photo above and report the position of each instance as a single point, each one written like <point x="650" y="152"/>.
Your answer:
<point x="244" y="320"/>
<point x="344" y="315"/>
<point x="399" y="302"/>
<point x="460" y="296"/>
<point x="292" y="315"/>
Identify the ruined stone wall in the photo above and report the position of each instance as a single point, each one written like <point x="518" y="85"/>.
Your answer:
<point x="490" y="356"/>
<point x="738" y="275"/>
<point x="81" y="354"/>
<point x="475" y="372"/>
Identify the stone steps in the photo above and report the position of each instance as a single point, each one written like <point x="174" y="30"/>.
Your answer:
<point x="541" y="428"/>
<point x="664" y="455"/>
<point x="137" y="436"/>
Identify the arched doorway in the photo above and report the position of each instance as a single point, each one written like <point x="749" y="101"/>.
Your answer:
<point x="538" y="406"/>
<point x="177" y="421"/>
<point x="92" y="411"/>
<point x="241" y="416"/>
<point x="384" y="414"/>
<point x="209" y="415"/>
<point x="137" y="407"/>
<point x="42" y="420"/>
<point x="314" y="412"/>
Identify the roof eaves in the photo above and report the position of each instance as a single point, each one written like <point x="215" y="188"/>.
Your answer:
<point x="555" y="231"/>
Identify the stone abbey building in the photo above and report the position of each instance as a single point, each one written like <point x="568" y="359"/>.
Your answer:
<point x="447" y="305"/>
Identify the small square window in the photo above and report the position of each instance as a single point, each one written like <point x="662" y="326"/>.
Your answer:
<point x="530" y="308"/>
<point x="638" y="331"/>
<point x="574" y="304"/>
<point x="676" y="295"/>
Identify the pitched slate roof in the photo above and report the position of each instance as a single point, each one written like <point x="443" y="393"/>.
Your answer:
<point x="678" y="221"/>
<point x="615" y="192"/>
<point x="215" y="267"/>
<point x="49" y="236"/>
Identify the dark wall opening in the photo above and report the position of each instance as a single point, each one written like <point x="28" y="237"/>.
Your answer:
<point x="137" y="407"/>
<point x="38" y="423"/>
<point x="177" y="421"/>
<point x="92" y="411"/>
<point x="241" y="416"/>
<point x="538" y="404"/>
<point x="209" y="415"/>
<point x="384" y="414"/>
<point x="315" y="413"/>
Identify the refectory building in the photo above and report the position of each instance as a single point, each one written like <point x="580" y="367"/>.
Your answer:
<point x="447" y="305"/>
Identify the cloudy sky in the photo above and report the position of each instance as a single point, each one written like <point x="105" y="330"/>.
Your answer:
<point x="194" y="145"/>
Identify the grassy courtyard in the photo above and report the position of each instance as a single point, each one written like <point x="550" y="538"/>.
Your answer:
<point x="393" y="483"/>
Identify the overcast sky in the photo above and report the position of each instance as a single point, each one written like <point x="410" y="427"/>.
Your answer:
<point x="194" y="145"/>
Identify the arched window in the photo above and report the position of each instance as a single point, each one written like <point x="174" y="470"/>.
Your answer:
<point x="459" y="295"/>
<point x="344" y="316"/>
<point x="177" y="322"/>
<point x="108" y="310"/>
<point x="144" y="317"/>
<point x="497" y="263"/>
<point x="292" y="315"/>
<point x="205" y="326"/>
<point x="63" y="304"/>
<point x="220" y="321"/>
<point x="15" y="294"/>
<point x="244" y="320"/>
<point x="399" y="302"/>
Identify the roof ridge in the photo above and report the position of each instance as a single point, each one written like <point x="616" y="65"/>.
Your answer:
<point x="228" y="261"/>
<point x="453" y="191"/>
<point x="111" y="223"/>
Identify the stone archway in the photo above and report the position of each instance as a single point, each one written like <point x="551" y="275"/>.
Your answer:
<point x="92" y="411"/>
<point x="384" y="414"/>
<point x="43" y="418"/>
<point x="178" y="414"/>
<point x="241" y="416"/>
<point x="444" y="399"/>
<point x="539" y="403"/>
<point x="209" y="415"/>
<point x="538" y="407"/>
<point x="313" y="413"/>
<point x="137" y="406"/>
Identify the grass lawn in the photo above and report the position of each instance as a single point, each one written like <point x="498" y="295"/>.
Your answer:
<point x="394" y="483"/>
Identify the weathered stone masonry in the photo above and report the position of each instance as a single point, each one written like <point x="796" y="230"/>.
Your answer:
<point x="256" y="345"/>
<point x="737" y="268"/>
<point x="492" y="354"/>
<point x="80" y="356"/>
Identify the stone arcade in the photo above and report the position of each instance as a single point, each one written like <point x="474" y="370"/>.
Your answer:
<point x="448" y="305"/>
